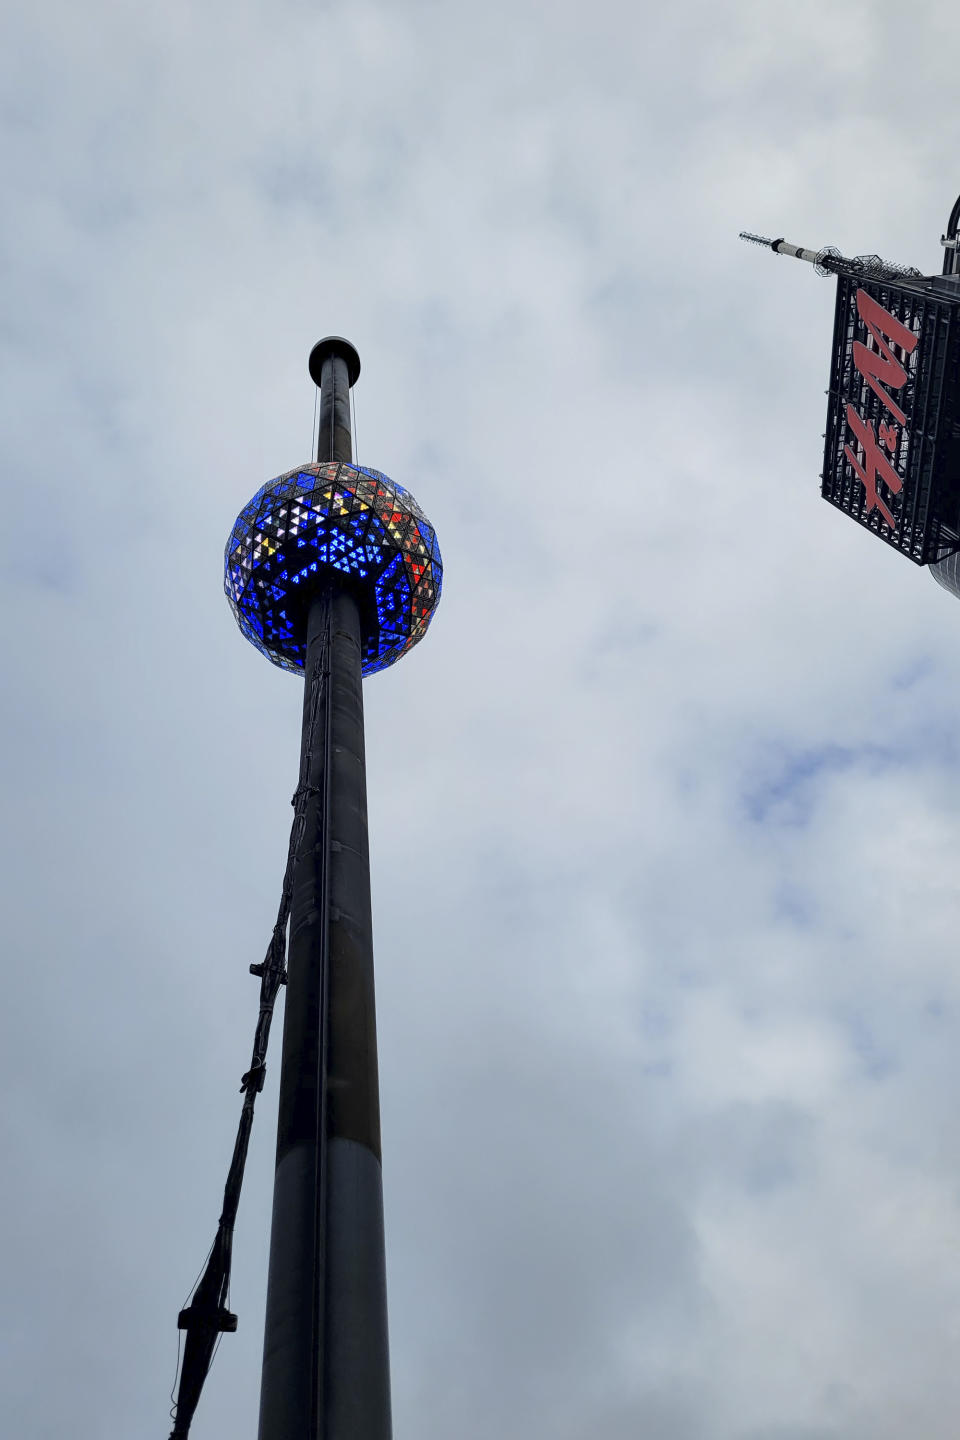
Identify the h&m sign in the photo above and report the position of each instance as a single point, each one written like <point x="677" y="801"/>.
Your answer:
<point x="882" y="366"/>
<point x="891" y="457"/>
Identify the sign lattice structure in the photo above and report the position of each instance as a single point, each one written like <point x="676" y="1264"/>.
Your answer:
<point x="352" y="524"/>
<point x="892" y="443"/>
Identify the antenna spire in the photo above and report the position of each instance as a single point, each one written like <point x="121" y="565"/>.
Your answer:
<point x="334" y="368"/>
<point x="829" y="261"/>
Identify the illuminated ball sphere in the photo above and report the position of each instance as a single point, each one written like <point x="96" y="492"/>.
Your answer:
<point x="333" y="523"/>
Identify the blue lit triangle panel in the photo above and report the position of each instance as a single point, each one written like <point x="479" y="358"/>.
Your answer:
<point x="337" y="524"/>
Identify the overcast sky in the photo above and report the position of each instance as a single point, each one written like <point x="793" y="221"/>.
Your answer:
<point x="665" y="811"/>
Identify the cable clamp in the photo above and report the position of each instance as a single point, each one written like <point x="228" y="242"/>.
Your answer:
<point x="197" y="1318"/>
<point x="304" y="792"/>
<point x="254" y="1079"/>
<point x="260" y="969"/>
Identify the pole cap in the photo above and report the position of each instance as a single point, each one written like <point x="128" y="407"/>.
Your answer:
<point x="334" y="345"/>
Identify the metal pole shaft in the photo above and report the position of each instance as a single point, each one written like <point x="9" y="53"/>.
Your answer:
<point x="334" y="440"/>
<point x="783" y="247"/>
<point x="326" y="1362"/>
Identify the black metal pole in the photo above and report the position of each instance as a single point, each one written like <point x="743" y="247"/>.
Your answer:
<point x="325" y="1361"/>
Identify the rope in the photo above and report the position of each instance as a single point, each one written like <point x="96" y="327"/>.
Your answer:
<point x="207" y="1318"/>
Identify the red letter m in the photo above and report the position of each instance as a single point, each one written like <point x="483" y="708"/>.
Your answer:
<point x="875" y="466"/>
<point x="881" y="365"/>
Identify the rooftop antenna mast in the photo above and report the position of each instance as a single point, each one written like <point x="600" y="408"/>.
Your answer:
<point x="951" y="242"/>
<point x="829" y="260"/>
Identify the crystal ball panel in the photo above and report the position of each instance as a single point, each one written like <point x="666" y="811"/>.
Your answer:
<point x="329" y="522"/>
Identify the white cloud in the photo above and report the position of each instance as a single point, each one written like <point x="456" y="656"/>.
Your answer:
<point x="664" y="810"/>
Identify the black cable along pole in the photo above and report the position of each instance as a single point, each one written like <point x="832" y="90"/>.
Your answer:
<point x="206" y="1318"/>
<point x="325" y="1360"/>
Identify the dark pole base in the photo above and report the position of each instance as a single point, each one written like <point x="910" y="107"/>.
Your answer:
<point x="326" y="1361"/>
